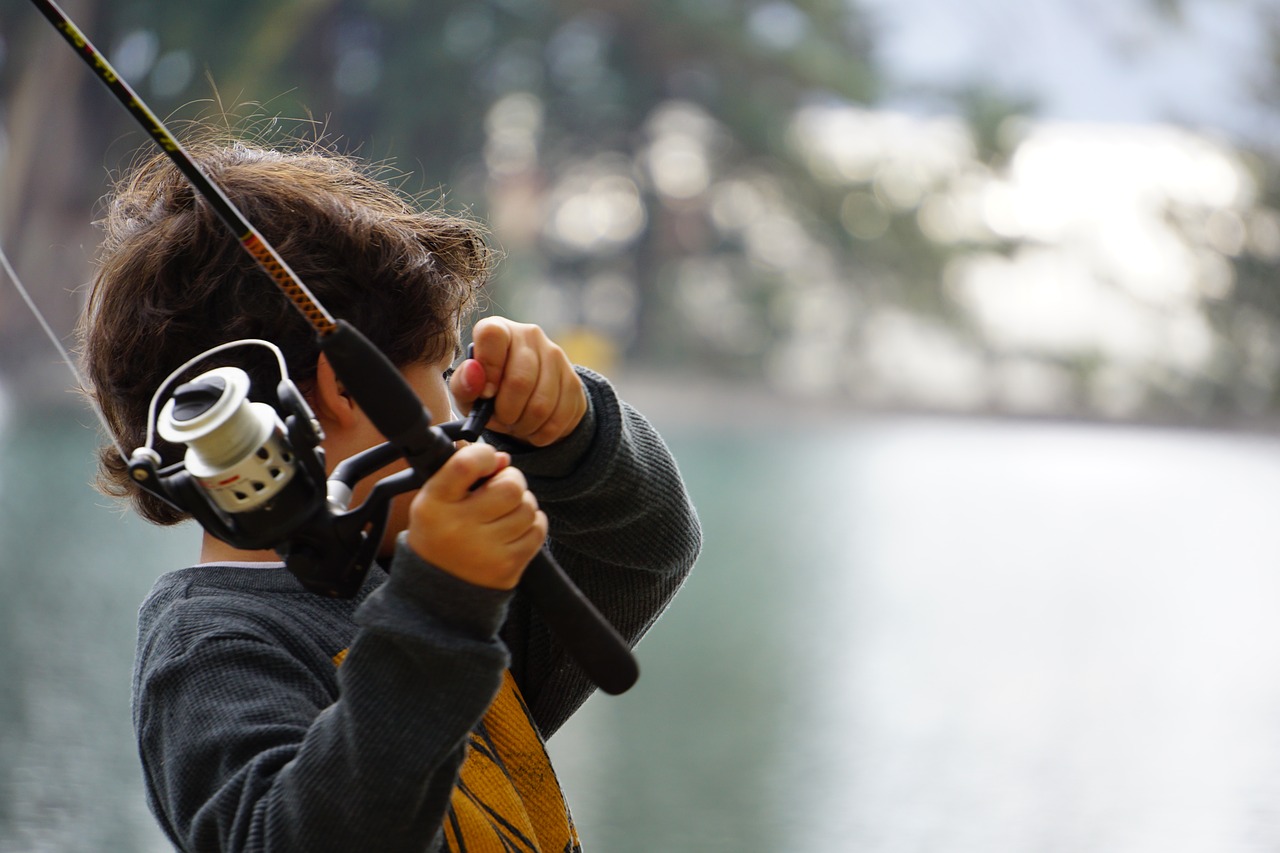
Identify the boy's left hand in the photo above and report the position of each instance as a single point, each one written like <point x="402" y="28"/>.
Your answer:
<point x="539" y="399"/>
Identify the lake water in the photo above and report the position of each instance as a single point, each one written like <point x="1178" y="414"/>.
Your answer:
<point x="903" y="635"/>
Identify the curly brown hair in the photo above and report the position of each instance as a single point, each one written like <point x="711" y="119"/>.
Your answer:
<point x="171" y="281"/>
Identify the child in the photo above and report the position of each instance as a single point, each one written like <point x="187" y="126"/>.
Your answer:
<point x="413" y="716"/>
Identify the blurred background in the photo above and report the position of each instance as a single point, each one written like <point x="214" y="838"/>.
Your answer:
<point x="960" y="318"/>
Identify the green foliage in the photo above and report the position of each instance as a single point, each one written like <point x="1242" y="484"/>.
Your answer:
<point x="670" y="176"/>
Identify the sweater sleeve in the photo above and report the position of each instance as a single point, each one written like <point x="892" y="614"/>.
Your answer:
<point x="245" y="747"/>
<point x="623" y="528"/>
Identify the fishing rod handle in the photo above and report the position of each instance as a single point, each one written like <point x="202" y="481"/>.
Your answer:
<point x="385" y="396"/>
<point x="585" y="633"/>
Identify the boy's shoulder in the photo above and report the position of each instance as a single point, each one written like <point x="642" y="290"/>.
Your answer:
<point x="260" y="601"/>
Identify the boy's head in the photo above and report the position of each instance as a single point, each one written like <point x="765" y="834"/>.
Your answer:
<point x="172" y="281"/>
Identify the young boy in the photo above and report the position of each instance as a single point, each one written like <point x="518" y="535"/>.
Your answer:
<point x="413" y="716"/>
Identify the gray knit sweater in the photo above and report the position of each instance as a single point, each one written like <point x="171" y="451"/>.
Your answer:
<point x="252" y="740"/>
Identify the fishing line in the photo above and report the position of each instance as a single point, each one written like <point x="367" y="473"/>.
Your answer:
<point x="57" y="342"/>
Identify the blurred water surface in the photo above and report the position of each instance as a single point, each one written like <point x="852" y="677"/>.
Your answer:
<point x="904" y="634"/>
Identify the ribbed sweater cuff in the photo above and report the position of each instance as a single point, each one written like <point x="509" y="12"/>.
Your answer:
<point x="416" y="588"/>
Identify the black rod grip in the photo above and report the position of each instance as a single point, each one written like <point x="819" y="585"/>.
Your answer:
<point x="380" y="389"/>
<point x="586" y="634"/>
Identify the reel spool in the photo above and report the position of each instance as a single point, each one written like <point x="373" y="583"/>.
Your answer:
<point x="236" y="449"/>
<point x="251" y="474"/>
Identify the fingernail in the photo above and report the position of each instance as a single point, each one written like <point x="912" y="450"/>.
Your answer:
<point x="472" y="375"/>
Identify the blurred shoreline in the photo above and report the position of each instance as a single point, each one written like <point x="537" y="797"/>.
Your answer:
<point x="695" y="402"/>
<point x="674" y="401"/>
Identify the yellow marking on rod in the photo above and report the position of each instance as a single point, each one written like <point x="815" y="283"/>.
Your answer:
<point x="82" y="43"/>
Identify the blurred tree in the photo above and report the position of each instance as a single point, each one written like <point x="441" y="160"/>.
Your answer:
<point x="676" y="182"/>
<point x="592" y="133"/>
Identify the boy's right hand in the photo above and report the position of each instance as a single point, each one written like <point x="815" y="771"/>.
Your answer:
<point x="486" y="536"/>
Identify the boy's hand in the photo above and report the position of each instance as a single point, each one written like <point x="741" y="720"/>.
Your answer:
<point x="486" y="536"/>
<point x="539" y="399"/>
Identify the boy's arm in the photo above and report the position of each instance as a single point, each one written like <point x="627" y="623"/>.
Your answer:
<point x="246" y="747"/>
<point x="621" y="525"/>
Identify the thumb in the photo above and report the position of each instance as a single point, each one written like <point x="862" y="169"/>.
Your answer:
<point x="466" y="383"/>
<point x="492" y="338"/>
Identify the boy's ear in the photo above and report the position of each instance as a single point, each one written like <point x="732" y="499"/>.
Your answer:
<point x="332" y="405"/>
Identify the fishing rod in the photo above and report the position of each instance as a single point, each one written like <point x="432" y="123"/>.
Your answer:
<point x="255" y="478"/>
